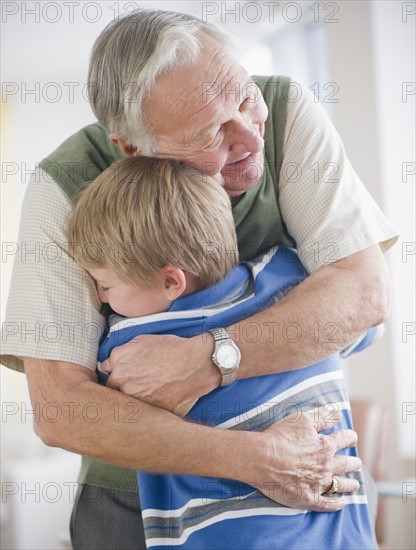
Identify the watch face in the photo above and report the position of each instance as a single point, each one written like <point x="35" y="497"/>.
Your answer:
<point x="227" y="356"/>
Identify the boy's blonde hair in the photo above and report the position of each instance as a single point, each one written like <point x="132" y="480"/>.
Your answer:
<point x="143" y="213"/>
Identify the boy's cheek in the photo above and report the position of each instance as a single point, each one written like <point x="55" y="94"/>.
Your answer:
<point x="102" y="296"/>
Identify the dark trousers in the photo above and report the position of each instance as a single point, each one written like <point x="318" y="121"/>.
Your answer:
<point x="106" y="519"/>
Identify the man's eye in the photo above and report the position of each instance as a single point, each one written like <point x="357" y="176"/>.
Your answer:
<point x="215" y="139"/>
<point x="104" y="288"/>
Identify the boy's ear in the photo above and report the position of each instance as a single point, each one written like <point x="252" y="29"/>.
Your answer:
<point x="174" y="282"/>
<point x="128" y="150"/>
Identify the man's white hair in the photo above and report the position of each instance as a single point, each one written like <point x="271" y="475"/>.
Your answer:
<point x="128" y="56"/>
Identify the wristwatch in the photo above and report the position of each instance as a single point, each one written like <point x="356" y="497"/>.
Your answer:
<point x="226" y="356"/>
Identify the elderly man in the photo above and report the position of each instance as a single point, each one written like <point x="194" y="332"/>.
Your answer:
<point x="167" y="85"/>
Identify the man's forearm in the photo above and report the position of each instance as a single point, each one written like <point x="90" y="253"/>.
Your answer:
<point x="319" y="317"/>
<point x="108" y="425"/>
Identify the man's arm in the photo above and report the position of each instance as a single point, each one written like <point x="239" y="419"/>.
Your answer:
<point x="290" y="462"/>
<point x="319" y="317"/>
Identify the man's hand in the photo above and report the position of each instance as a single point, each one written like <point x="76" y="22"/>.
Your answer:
<point x="164" y="371"/>
<point x="303" y="462"/>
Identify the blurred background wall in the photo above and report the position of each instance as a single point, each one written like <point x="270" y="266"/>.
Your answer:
<point x="359" y="60"/>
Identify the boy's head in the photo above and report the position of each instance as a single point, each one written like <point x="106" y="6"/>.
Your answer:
<point x="149" y="230"/>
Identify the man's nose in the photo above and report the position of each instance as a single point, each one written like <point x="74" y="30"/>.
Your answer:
<point x="246" y="138"/>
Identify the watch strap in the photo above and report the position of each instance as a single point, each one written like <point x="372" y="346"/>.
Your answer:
<point x="221" y="336"/>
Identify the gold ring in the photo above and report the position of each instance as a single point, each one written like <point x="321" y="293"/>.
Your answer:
<point x="334" y="487"/>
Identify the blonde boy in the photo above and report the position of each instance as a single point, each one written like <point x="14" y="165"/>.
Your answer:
<point x="151" y="230"/>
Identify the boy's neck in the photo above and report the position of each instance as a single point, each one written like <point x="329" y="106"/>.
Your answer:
<point x="193" y="284"/>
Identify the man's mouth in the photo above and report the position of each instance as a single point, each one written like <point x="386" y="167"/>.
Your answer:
<point x="238" y="160"/>
<point x="237" y="165"/>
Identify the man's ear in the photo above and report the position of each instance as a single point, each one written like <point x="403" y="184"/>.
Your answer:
<point x="174" y="282"/>
<point x="128" y="150"/>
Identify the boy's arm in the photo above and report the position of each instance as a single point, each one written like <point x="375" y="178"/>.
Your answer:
<point x="290" y="462"/>
<point x="319" y="317"/>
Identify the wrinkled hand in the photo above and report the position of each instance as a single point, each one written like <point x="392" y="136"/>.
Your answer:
<point x="163" y="370"/>
<point x="303" y="461"/>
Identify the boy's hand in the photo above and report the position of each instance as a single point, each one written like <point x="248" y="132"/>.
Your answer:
<point x="165" y="371"/>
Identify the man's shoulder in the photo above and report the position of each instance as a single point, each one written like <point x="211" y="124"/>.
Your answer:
<point x="85" y="141"/>
<point x="81" y="158"/>
<point x="275" y="90"/>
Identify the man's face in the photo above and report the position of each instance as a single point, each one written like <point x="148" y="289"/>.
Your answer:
<point x="211" y="115"/>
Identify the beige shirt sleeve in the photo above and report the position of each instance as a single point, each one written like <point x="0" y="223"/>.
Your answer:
<point x="53" y="308"/>
<point x="325" y="206"/>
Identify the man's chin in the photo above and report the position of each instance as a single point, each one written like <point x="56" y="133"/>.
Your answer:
<point x="238" y="189"/>
<point x="243" y="175"/>
<point x="238" y="186"/>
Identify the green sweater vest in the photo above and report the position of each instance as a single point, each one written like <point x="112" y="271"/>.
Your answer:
<point x="83" y="156"/>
